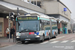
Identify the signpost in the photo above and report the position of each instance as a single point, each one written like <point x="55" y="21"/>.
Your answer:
<point x="9" y="27"/>
<point x="11" y="17"/>
<point x="50" y="27"/>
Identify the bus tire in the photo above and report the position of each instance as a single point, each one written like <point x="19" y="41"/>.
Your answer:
<point x="55" y="35"/>
<point x="23" y="42"/>
<point x="49" y="37"/>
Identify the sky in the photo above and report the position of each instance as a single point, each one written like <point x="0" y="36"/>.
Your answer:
<point x="71" y="5"/>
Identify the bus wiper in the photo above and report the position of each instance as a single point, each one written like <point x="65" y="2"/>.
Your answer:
<point x="23" y="30"/>
<point x="30" y="30"/>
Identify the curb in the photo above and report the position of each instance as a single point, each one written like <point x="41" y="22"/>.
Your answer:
<point x="6" y="45"/>
<point x="3" y="46"/>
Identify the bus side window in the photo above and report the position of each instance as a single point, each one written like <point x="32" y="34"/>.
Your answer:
<point x="42" y="26"/>
<point x="40" y="21"/>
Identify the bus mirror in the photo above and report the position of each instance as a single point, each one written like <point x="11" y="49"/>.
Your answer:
<point x="40" y="21"/>
<point x="47" y="22"/>
<point x="18" y="23"/>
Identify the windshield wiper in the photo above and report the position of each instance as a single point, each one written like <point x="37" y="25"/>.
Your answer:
<point x="23" y="30"/>
<point x="31" y="30"/>
<point x="26" y="30"/>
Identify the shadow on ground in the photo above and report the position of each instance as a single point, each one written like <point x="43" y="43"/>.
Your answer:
<point x="32" y="42"/>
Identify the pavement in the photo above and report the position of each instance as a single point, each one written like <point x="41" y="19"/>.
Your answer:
<point x="5" y="42"/>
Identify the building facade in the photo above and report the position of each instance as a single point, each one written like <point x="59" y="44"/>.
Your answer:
<point x="52" y="8"/>
<point x="4" y="22"/>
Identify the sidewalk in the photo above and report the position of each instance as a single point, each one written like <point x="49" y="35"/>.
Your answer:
<point x="5" y="42"/>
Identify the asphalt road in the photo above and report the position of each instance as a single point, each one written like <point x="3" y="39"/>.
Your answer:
<point x="62" y="42"/>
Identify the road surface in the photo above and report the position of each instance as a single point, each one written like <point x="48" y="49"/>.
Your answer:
<point x="62" y="42"/>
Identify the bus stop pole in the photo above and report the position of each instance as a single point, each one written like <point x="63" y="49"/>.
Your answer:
<point x="50" y="27"/>
<point x="9" y="27"/>
<point x="17" y="11"/>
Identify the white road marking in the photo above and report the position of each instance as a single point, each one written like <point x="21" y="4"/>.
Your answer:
<point x="44" y="42"/>
<point x="64" y="41"/>
<point x="69" y="37"/>
<point x="57" y="38"/>
<point x="54" y="41"/>
<point x="73" y="41"/>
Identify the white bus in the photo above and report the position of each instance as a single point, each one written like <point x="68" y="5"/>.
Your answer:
<point x="30" y="28"/>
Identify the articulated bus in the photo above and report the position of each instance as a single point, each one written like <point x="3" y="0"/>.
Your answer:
<point x="30" y="28"/>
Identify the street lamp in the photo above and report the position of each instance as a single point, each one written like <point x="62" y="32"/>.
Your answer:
<point x="7" y="17"/>
<point x="51" y="25"/>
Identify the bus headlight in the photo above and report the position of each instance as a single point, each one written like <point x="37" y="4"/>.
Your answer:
<point x="37" y="36"/>
<point x="17" y="37"/>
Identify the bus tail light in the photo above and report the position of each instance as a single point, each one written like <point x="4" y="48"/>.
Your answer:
<point x="31" y="33"/>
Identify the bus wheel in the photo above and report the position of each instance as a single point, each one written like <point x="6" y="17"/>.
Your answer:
<point x="55" y="35"/>
<point x="23" y="42"/>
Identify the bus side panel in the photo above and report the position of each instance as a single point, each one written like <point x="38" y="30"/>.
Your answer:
<point x="53" y="32"/>
<point x="45" y="33"/>
<point x="41" y="34"/>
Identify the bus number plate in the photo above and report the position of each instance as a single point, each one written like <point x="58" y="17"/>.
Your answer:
<point x="27" y="39"/>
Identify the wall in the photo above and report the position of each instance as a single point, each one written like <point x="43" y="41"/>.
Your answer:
<point x="2" y="32"/>
<point x="60" y="27"/>
<point x="68" y="25"/>
<point x="54" y="7"/>
<point x="5" y="26"/>
<point x="51" y="7"/>
<point x="6" y="23"/>
<point x="61" y="11"/>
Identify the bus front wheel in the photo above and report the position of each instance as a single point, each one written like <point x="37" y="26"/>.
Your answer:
<point x="23" y="42"/>
<point x="55" y="35"/>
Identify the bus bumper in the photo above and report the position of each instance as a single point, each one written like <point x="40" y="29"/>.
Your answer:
<point x="28" y="39"/>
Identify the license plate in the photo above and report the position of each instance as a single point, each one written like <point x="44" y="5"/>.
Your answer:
<point x="27" y="39"/>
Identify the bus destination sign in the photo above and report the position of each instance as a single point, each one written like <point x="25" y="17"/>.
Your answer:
<point x="27" y="18"/>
